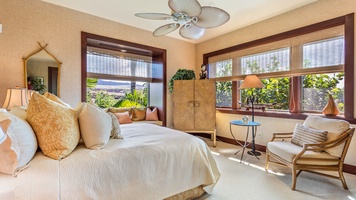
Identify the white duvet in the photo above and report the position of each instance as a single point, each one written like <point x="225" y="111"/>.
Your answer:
<point x="151" y="162"/>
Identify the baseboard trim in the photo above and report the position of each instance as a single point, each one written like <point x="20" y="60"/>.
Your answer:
<point x="351" y="169"/>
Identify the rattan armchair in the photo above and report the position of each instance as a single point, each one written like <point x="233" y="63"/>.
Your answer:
<point x="320" y="157"/>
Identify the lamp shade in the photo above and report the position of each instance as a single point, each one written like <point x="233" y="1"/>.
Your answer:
<point x="251" y="81"/>
<point x="15" y="97"/>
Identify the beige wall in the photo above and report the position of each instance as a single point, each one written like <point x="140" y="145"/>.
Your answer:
<point x="26" y="22"/>
<point x="319" y="11"/>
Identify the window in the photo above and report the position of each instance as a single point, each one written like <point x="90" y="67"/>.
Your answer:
<point x="299" y="68"/>
<point x="118" y="79"/>
<point x="223" y="88"/>
<point x="316" y="87"/>
<point x="123" y="74"/>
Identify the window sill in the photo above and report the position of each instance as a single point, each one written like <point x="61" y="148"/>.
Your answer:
<point x="301" y="116"/>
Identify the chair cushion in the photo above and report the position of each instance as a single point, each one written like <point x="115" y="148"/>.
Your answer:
<point x="335" y="128"/>
<point x="288" y="151"/>
<point x="305" y="135"/>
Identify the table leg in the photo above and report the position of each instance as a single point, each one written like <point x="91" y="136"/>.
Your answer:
<point x="238" y="141"/>
<point x="243" y="149"/>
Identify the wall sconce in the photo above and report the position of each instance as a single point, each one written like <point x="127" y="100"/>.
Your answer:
<point x="16" y="97"/>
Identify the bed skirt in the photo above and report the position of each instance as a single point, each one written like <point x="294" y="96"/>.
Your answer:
<point x="189" y="194"/>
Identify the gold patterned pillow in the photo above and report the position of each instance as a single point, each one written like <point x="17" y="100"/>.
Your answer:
<point x="55" y="98"/>
<point x="138" y="114"/>
<point x="55" y="125"/>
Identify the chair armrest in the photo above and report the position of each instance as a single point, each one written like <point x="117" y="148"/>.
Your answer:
<point x="347" y="135"/>
<point x="281" y="136"/>
<point x="332" y="143"/>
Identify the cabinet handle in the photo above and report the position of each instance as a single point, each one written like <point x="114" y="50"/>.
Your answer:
<point x="190" y="103"/>
<point x="196" y="104"/>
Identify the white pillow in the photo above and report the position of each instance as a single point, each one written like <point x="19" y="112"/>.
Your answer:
<point x="95" y="126"/>
<point x="115" y="131"/>
<point x="23" y="144"/>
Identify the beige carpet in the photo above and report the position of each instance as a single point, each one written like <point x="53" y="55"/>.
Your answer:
<point x="249" y="180"/>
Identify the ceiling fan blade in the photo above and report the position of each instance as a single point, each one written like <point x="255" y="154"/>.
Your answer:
<point x="165" y="29"/>
<point x="191" y="32"/>
<point x="189" y="7"/>
<point x="212" y="17"/>
<point x="157" y="16"/>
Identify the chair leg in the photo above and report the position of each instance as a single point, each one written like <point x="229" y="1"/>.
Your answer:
<point x="342" y="178"/>
<point x="267" y="162"/>
<point x="294" y="178"/>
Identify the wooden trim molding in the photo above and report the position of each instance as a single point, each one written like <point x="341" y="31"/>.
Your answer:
<point x="351" y="169"/>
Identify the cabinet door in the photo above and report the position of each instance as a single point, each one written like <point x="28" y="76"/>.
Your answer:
<point x="183" y="104"/>
<point x="205" y="98"/>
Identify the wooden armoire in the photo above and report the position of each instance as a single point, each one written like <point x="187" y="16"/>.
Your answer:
<point x="194" y="106"/>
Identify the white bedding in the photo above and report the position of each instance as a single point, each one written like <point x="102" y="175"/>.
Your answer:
<point x="151" y="162"/>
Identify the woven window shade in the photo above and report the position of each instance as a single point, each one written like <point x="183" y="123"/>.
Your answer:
<point x="314" y="53"/>
<point x="115" y="65"/>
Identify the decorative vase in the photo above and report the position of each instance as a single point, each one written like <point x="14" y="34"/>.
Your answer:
<point x="331" y="108"/>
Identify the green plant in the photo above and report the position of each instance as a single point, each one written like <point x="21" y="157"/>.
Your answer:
<point x="136" y="99"/>
<point x="38" y="85"/>
<point x="181" y="74"/>
<point x="104" y="100"/>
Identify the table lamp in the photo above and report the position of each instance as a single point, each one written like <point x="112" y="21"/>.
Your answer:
<point x="16" y="97"/>
<point x="251" y="81"/>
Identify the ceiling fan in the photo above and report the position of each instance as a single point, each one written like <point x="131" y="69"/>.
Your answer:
<point x="190" y="16"/>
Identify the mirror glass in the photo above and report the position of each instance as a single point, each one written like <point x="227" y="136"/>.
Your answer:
<point x="42" y="72"/>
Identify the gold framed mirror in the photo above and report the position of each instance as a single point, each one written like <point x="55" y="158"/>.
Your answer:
<point x="42" y="71"/>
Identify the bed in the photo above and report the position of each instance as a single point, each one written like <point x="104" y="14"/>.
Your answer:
<point x="151" y="162"/>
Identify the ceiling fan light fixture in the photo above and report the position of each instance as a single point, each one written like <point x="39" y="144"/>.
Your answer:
<point x="190" y="16"/>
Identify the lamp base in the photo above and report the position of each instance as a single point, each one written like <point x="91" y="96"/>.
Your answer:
<point x="254" y="153"/>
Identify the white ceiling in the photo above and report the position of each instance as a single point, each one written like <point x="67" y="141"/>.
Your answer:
<point x="242" y="12"/>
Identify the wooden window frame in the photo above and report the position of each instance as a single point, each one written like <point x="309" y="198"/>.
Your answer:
<point x="159" y="61"/>
<point x="347" y="21"/>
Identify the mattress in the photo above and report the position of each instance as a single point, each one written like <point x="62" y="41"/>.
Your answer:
<point x="7" y="186"/>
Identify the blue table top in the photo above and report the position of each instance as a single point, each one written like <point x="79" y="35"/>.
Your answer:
<point x="240" y="123"/>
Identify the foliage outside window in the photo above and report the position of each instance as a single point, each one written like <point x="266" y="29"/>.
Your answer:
<point x="276" y="90"/>
<point x="109" y="93"/>
<point x="223" y="89"/>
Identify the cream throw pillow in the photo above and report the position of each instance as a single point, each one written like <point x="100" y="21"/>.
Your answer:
<point x="95" y="126"/>
<point x="305" y="135"/>
<point x="55" y="125"/>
